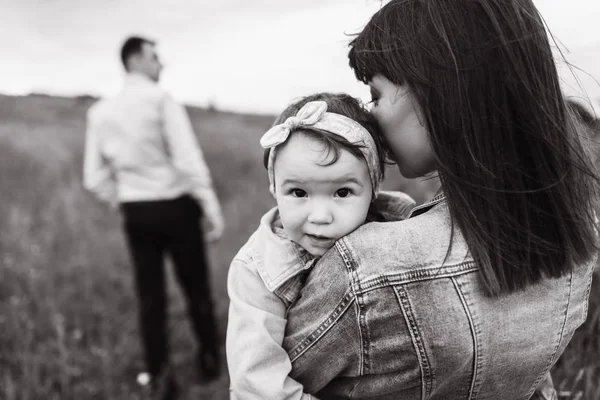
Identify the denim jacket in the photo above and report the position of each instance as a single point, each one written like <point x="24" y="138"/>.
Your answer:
<point x="398" y="311"/>
<point x="264" y="279"/>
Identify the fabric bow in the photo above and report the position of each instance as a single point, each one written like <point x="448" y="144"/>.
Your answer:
<point x="314" y="115"/>
<point x="306" y="117"/>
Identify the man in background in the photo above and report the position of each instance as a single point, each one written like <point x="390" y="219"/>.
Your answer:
<point x="141" y="154"/>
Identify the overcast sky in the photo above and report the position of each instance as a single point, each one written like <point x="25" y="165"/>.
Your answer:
<point x="243" y="55"/>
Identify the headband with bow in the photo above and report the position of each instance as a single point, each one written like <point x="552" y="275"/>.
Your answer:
<point x="314" y="115"/>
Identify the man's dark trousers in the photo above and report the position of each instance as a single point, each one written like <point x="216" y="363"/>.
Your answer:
<point x="154" y="229"/>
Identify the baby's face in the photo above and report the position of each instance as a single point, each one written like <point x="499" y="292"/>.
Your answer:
<point x="319" y="203"/>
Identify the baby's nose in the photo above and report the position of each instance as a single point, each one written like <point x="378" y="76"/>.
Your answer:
<point x="320" y="214"/>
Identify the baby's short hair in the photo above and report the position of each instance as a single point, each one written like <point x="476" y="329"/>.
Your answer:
<point x="348" y="106"/>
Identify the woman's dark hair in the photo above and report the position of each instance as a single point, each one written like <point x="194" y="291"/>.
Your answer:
<point x="519" y="184"/>
<point x="584" y="115"/>
<point x="348" y="106"/>
<point x="133" y="46"/>
<point x="590" y="125"/>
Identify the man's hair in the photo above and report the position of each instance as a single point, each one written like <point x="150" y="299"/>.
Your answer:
<point x="133" y="46"/>
<point x="519" y="184"/>
<point x="348" y="106"/>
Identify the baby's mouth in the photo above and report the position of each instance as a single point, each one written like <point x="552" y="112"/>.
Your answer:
<point x="319" y="239"/>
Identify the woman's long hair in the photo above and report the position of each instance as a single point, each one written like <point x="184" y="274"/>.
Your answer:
<point x="519" y="182"/>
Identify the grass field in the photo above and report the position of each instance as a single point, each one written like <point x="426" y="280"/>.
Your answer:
<point x="68" y="321"/>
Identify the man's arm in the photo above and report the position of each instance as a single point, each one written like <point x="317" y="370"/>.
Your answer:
<point x="188" y="159"/>
<point x="98" y="176"/>
<point x="258" y="365"/>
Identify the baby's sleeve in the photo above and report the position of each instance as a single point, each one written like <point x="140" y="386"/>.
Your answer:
<point x="258" y="364"/>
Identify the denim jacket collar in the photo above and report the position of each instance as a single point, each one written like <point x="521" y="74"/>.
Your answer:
<point x="437" y="198"/>
<point x="281" y="258"/>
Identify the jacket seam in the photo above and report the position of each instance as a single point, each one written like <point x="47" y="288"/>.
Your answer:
<point x="552" y="358"/>
<point x="589" y="289"/>
<point x="323" y="328"/>
<point x="409" y="318"/>
<point x="352" y="268"/>
<point x="417" y="276"/>
<point x="474" y="389"/>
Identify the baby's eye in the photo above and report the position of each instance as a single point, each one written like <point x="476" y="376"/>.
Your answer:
<point x="298" y="193"/>
<point x="345" y="192"/>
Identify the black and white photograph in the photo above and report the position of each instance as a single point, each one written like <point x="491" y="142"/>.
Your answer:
<point x="300" y="200"/>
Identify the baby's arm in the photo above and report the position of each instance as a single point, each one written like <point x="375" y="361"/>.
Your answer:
<point x="258" y="364"/>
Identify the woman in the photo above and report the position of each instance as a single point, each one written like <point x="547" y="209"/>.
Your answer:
<point x="478" y="293"/>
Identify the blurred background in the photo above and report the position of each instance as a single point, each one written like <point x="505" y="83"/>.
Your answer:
<point x="237" y="55"/>
<point x="68" y="316"/>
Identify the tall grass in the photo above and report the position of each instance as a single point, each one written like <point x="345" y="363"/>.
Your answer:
<point x="68" y="317"/>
